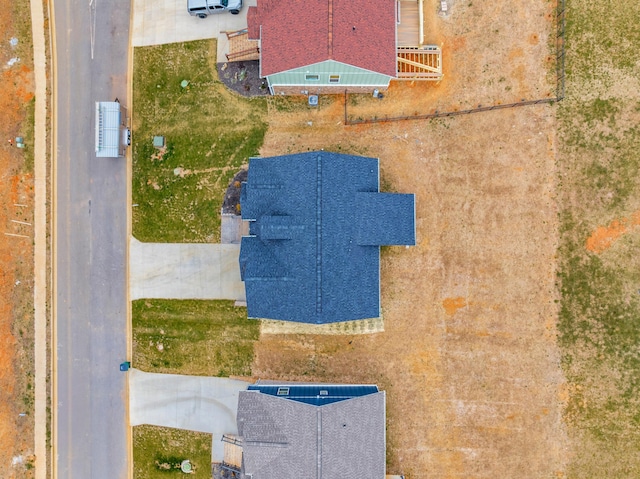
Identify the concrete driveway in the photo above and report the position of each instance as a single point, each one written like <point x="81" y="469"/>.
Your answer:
<point x="184" y="271"/>
<point x="196" y="403"/>
<point x="166" y="21"/>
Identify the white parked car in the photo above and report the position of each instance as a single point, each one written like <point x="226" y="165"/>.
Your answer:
<point x="202" y="8"/>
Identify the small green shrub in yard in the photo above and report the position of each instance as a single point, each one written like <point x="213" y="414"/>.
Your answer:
<point x="207" y="338"/>
<point x="159" y="451"/>
<point x="210" y="132"/>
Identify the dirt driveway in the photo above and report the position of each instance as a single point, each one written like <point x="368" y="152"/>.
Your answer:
<point x="469" y="356"/>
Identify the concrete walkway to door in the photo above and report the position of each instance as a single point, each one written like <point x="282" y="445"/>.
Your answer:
<point x="196" y="403"/>
<point x="184" y="271"/>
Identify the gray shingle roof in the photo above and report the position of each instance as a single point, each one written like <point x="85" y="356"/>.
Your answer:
<point x="287" y="439"/>
<point x="318" y="221"/>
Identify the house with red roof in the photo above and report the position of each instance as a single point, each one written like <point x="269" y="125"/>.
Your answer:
<point x="328" y="46"/>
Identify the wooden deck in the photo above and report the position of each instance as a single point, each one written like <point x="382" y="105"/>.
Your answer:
<point x="409" y="23"/>
<point x="420" y="63"/>
<point x="416" y="61"/>
<point x="241" y="48"/>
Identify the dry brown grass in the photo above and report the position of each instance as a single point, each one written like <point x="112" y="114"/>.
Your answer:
<point x="493" y="53"/>
<point x="469" y="356"/>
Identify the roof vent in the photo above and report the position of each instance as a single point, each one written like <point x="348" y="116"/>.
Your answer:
<point x="283" y="391"/>
<point x="324" y="392"/>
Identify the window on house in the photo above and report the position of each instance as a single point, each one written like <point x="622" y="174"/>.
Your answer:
<point x="311" y="77"/>
<point x="334" y="78"/>
<point x="283" y="391"/>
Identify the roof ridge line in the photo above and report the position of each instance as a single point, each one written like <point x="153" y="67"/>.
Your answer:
<point x="319" y="444"/>
<point x="319" y="234"/>
<point x="330" y="30"/>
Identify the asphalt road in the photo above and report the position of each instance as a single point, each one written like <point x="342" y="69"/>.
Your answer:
<point x="91" y="40"/>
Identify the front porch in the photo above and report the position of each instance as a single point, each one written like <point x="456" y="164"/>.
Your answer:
<point x="232" y="453"/>
<point x="240" y="47"/>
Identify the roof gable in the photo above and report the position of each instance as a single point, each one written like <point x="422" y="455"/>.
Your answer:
<point x="315" y="394"/>
<point x="361" y="33"/>
<point x="385" y="219"/>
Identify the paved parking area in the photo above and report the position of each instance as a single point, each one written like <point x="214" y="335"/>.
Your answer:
<point x="157" y="22"/>
<point x="184" y="271"/>
<point x="196" y="403"/>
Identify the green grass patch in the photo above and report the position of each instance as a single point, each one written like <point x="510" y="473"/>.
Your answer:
<point x="158" y="450"/>
<point x="210" y="133"/>
<point x="207" y="338"/>
<point x="22" y="29"/>
<point x="21" y="24"/>
<point x="601" y="34"/>
<point x="28" y="131"/>
<point x="599" y="182"/>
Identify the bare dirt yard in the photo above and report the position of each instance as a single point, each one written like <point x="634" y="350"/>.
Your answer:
<point x="16" y="245"/>
<point x="469" y="356"/>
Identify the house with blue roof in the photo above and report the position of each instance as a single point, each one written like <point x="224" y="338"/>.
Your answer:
<point x="293" y="431"/>
<point x="316" y="224"/>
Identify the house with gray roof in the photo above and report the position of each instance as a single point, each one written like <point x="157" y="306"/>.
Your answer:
<point x="316" y="224"/>
<point x="311" y="431"/>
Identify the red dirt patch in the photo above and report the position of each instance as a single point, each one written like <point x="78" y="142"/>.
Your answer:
<point x="16" y="251"/>
<point x="451" y="305"/>
<point x="604" y="236"/>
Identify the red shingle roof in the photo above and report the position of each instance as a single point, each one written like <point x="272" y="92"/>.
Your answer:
<point x="296" y="33"/>
<point x="252" y="23"/>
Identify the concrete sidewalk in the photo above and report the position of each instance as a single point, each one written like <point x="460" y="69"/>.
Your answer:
<point x="184" y="271"/>
<point x="196" y="403"/>
<point x="157" y="22"/>
<point x="40" y="241"/>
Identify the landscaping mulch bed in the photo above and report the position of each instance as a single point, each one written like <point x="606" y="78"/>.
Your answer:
<point x="243" y="77"/>
<point x="232" y="196"/>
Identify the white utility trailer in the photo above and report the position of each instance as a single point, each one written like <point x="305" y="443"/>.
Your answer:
<point x="112" y="133"/>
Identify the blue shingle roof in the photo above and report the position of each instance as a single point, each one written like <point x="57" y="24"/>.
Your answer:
<point x="315" y="394"/>
<point x="385" y="219"/>
<point x="317" y="222"/>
